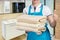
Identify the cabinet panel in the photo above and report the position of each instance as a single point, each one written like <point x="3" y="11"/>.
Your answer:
<point x="6" y="6"/>
<point x="1" y="7"/>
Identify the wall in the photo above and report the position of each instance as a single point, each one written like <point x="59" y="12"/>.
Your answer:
<point x="42" y="1"/>
<point x="28" y="2"/>
<point x="1" y="7"/>
<point x="50" y="4"/>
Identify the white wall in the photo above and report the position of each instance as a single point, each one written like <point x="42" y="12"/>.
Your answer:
<point x="28" y="2"/>
<point x="1" y="7"/>
<point x="50" y="4"/>
<point x="42" y="1"/>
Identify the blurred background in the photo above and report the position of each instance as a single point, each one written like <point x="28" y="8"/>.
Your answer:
<point x="10" y="9"/>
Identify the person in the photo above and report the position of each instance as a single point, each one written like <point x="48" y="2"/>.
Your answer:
<point x="36" y="8"/>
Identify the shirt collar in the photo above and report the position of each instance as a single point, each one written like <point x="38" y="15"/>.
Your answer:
<point x="36" y="6"/>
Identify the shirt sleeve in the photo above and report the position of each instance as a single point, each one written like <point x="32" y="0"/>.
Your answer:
<point x="25" y="10"/>
<point x="47" y="11"/>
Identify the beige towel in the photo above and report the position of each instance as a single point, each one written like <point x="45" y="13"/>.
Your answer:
<point x="30" y="25"/>
<point x="38" y="27"/>
<point x="32" y="19"/>
<point x="31" y="22"/>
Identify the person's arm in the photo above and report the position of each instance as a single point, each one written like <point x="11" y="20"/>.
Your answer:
<point x="51" y="20"/>
<point x="25" y="11"/>
<point x="50" y="16"/>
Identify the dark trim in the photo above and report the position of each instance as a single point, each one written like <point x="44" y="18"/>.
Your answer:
<point x="44" y="2"/>
<point x="54" y="9"/>
<point x="54" y="31"/>
<point x="54" y="4"/>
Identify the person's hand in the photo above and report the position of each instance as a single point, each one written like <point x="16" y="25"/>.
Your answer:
<point x="55" y="17"/>
<point x="40" y="30"/>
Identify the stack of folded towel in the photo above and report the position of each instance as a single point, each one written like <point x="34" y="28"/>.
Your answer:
<point x="31" y="21"/>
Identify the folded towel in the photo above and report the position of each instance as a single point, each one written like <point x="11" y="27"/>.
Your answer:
<point x="32" y="27"/>
<point x="31" y="22"/>
<point x="32" y="19"/>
